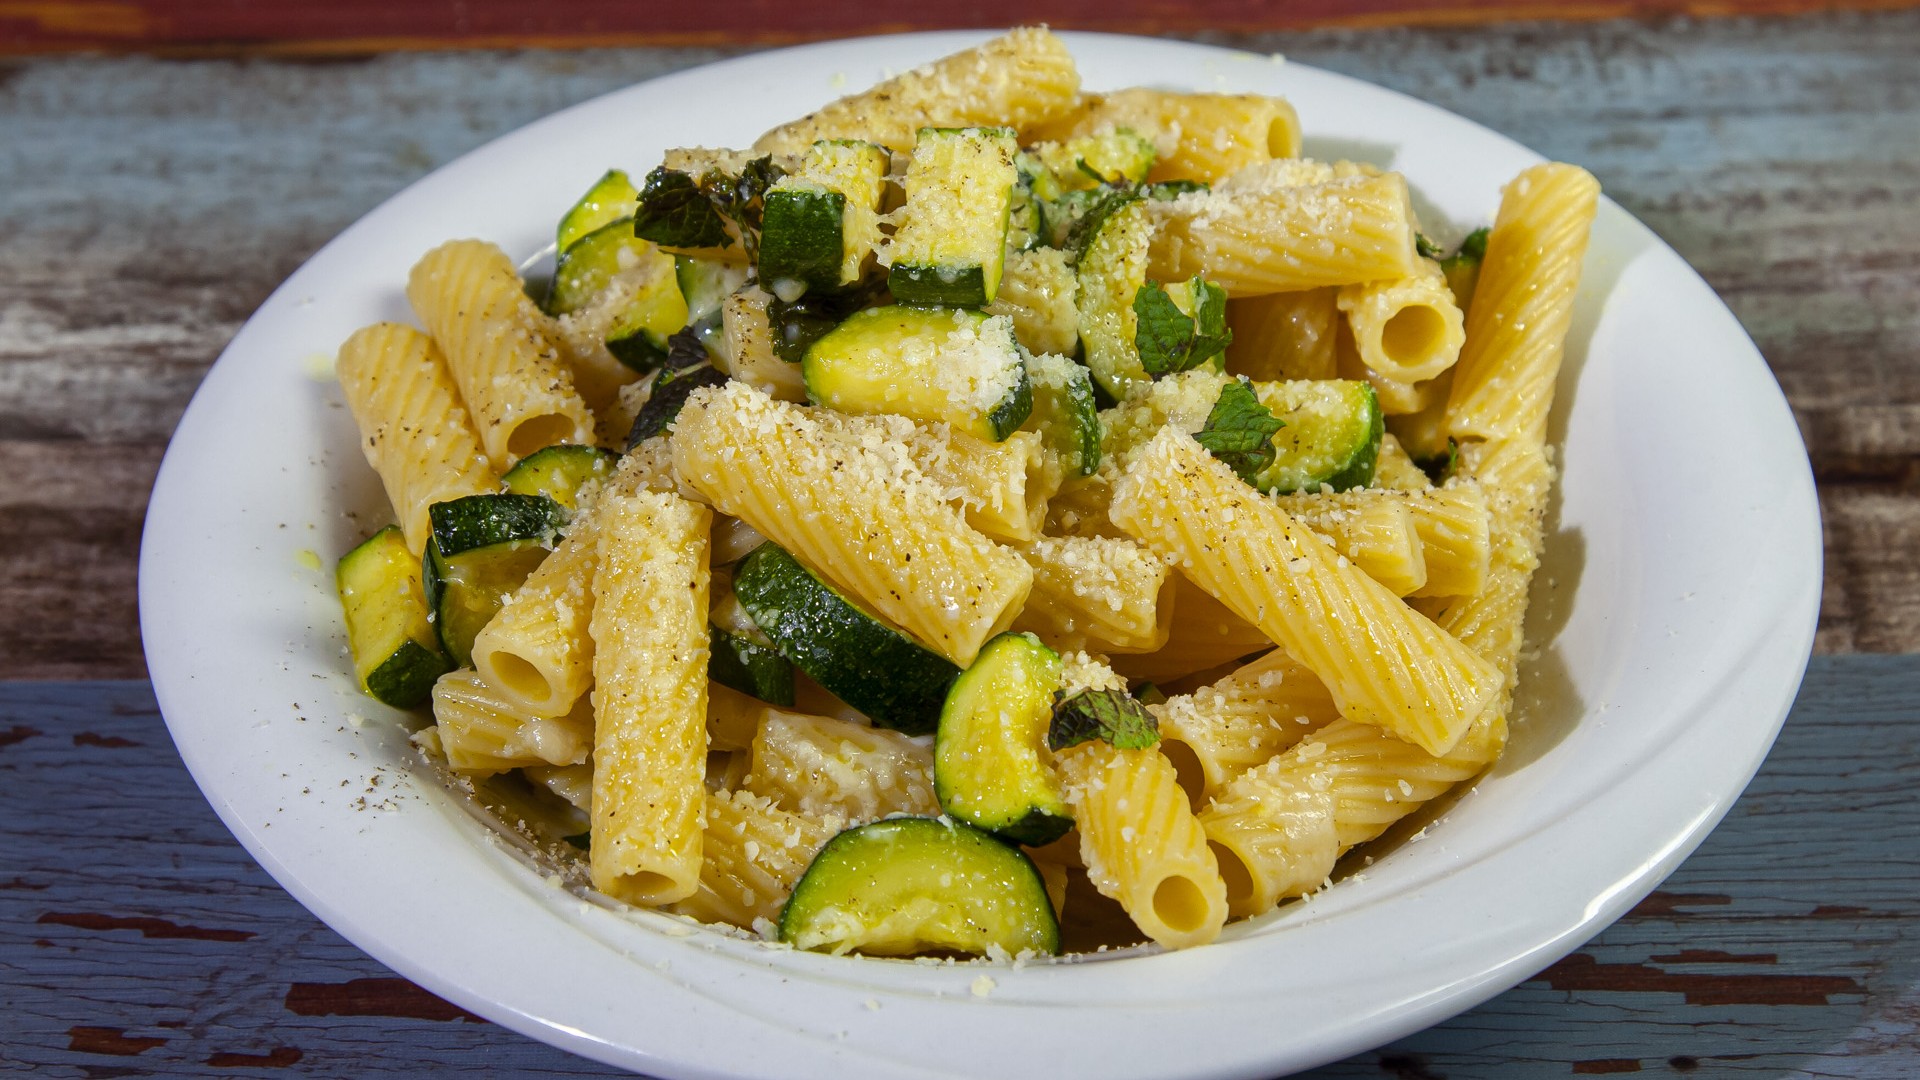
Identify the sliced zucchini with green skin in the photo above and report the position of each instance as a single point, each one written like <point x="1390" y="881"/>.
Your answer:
<point x="482" y="549"/>
<point x="1036" y="190"/>
<point x="989" y="764"/>
<point x="756" y="670"/>
<point x="395" y="653"/>
<point x="610" y="199"/>
<point x="821" y="222"/>
<point x="1113" y="267"/>
<point x="912" y="885"/>
<point x="951" y="242"/>
<point x="1120" y="156"/>
<point x="876" y="669"/>
<point x="939" y="365"/>
<point x="559" y="472"/>
<point x="1332" y="434"/>
<point x="705" y="284"/>
<point x="1064" y="411"/>
<point x="648" y="316"/>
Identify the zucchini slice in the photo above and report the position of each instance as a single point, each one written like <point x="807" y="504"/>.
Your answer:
<point x="482" y="549"/>
<point x="1035" y="191"/>
<point x="1120" y="156"/>
<point x="611" y="198"/>
<point x="990" y="768"/>
<point x="912" y="885"/>
<point x="1064" y="412"/>
<point x="1332" y="434"/>
<point x="859" y="659"/>
<point x="741" y="657"/>
<point x="560" y="472"/>
<point x="647" y="315"/>
<point x="1113" y="267"/>
<point x="395" y="653"/>
<point x="738" y="662"/>
<point x="940" y="365"/>
<point x="820" y="223"/>
<point x="951" y="242"/>
<point x="705" y="285"/>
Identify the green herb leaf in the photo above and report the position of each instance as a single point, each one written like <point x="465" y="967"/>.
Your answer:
<point x="1426" y="248"/>
<point x="743" y="197"/>
<point x="1239" y="430"/>
<point x="1473" y="250"/>
<point x="1112" y="716"/>
<point x="671" y="388"/>
<point x="684" y="350"/>
<point x="1167" y="190"/>
<point x="1170" y="340"/>
<point x="674" y="211"/>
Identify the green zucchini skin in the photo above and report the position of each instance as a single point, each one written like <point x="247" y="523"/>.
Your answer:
<point x="950" y="245"/>
<point x="560" y="472"/>
<point x="705" y="285"/>
<point x="989" y="763"/>
<point x="893" y="359"/>
<point x="801" y="237"/>
<point x="876" y="669"/>
<point x="482" y="549"/>
<point x="740" y="663"/>
<point x="913" y="884"/>
<point x="610" y="199"/>
<point x="394" y="649"/>
<point x="1331" y="439"/>
<point x="1066" y="411"/>
<point x="638" y="337"/>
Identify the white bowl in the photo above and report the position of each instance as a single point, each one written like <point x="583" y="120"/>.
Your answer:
<point x="1676" y="608"/>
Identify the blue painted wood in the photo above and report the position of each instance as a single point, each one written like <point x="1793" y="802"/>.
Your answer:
<point x="137" y="939"/>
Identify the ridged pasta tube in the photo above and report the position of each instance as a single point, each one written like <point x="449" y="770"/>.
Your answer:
<point x="1450" y="527"/>
<point x="1217" y="732"/>
<point x="1376" y="535"/>
<point x="650" y="642"/>
<point x="1038" y="291"/>
<point x="1018" y="79"/>
<point x="482" y="731"/>
<point x="498" y="347"/>
<point x="1522" y="305"/>
<point x="747" y="348"/>
<point x="537" y="649"/>
<point x="1141" y="843"/>
<point x="1407" y="330"/>
<point x="1287" y="335"/>
<point x="819" y="766"/>
<point x="754" y="852"/>
<point x="1259" y="240"/>
<point x="1110" y="593"/>
<point x="855" y="508"/>
<point x="1384" y="663"/>
<point x="1001" y="487"/>
<point x="1195" y="136"/>
<point x="413" y="428"/>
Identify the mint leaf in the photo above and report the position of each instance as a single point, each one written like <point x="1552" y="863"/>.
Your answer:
<point x="1239" y="430"/>
<point x="1210" y="334"/>
<point x="1164" y="334"/>
<point x="674" y="211"/>
<point x="1473" y="250"/>
<point x="1168" y="339"/>
<point x="1112" y="716"/>
<point x="1424" y="247"/>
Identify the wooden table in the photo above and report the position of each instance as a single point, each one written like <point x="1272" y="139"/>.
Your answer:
<point x="148" y="205"/>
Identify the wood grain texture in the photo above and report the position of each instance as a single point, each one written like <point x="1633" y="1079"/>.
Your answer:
<point x="200" y="27"/>
<point x="137" y="939"/>
<point x="163" y="200"/>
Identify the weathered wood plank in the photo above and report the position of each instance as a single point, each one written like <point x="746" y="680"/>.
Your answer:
<point x="163" y="200"/>
<point x="367" y="25"/>
<point x="137" y="939"/>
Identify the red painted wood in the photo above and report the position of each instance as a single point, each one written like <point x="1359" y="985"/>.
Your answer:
<point x="358" y="26"/>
